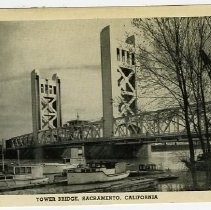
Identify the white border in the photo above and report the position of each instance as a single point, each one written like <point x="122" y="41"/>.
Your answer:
<point x="172" y="206"/>
<point x="94" y="3"/>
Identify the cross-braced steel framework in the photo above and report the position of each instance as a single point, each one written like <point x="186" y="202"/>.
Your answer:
<point x="46" y="102"/>
<point x="126" y="84"/>
<point x="159" y="124"/>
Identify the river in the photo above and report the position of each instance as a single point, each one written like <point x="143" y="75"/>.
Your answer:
<point x="170" y="160"/>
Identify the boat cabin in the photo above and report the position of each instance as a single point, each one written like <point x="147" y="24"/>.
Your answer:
<point x="35" y="171"/>
<point x="106" y="167"/>
<point x="147" y="167"/>
<point x="3" y="167"/>
<point x="74" y="161"/>
<point x="5" y="177"/>
<point x="101" y="164"/>
<point x="84" y="170"/>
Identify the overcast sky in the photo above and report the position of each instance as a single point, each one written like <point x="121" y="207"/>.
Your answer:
<point x="69" y="48"/>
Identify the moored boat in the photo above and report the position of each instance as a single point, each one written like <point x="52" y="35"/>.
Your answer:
<point x="147" y="169"/>
<point x="202" y="163"/>
<point x="97" y="172"/>
<point x="22" y="176"/>
<point x="152" y="171"/>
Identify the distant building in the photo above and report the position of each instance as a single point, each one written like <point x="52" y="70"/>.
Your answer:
<point x="46" y="102"/>
<point x="75" y="123"/>
<point x="118" y="78"/>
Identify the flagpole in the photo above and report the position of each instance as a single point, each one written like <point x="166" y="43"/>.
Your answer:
<point x="2" y="155"/>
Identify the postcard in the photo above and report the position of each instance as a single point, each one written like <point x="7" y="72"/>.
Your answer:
<point x="105" y="105"/>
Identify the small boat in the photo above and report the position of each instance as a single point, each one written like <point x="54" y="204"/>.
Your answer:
<point x="22" y="176"/>
<point x="154" y="172"/>
<point x="147" y="169"/>
<point x="97" y="172"/>
<point x="204" y="156"/>
<point x="202" y="163"/>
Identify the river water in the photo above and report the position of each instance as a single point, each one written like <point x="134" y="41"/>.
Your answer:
<point x="170" y="160"/>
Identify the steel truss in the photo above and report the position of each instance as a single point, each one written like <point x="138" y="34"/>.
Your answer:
<point x="159" y="123"/>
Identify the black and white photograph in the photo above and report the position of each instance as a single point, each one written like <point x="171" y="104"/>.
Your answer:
<point x="105" y="105"/>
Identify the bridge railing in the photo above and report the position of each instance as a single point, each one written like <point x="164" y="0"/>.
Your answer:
<point x="150" y="123"/>
<point x="20" y="141"/>
<point x="69" y="133"/>
<point x="80" y="132"/>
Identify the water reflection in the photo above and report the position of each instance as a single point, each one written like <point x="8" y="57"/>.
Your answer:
<point x="172" y="160"/>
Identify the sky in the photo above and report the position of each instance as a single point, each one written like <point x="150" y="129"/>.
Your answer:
<point x="70" y="48"/>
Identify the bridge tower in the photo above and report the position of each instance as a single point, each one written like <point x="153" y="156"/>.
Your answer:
<point x="118" y="78"/>
<point x="46" y="102"/>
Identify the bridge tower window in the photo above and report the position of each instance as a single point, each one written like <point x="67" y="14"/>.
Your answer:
<point x="46" y="89"/>
<point x="50" y="89"/>
<point x="133" y="59"/>
<point x="118" y="54"/>
<point x="128" y="57"/>
<point x="54" y="89"/>
<point x="42" y="88"/>
<point x="123" y="55"/>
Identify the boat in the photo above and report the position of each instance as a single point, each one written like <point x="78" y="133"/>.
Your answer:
<point x="22" y="176"/>
<point x="97" y="172"/>
<point x="147" y="169"/>
<point x="202" y="162"/>
<point x="152" y="171"/>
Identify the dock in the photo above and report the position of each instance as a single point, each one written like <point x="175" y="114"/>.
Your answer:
<point x="129" y="184"/>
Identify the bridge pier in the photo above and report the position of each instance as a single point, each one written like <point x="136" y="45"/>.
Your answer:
<point x="144" y="153"/>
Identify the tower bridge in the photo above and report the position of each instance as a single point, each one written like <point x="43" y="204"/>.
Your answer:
<point x="122" y="127"/>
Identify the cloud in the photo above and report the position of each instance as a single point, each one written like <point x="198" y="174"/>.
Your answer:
<point x="26" y="76"/>
<point x="76" y="67"/>
<point x="18" y="77"/>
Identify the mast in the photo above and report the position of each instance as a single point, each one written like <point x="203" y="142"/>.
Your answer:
<point x="18" y="154"/>
<point x="2" y="155"/>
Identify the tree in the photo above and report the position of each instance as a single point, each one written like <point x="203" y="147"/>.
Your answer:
<point x="199" y="35"/>
<point x="169" y="54"/>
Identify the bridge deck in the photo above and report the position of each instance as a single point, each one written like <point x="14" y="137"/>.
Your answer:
<point x="114" y="140"/>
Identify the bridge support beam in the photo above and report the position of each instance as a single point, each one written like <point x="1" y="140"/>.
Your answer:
<point x="76" y="155"/>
